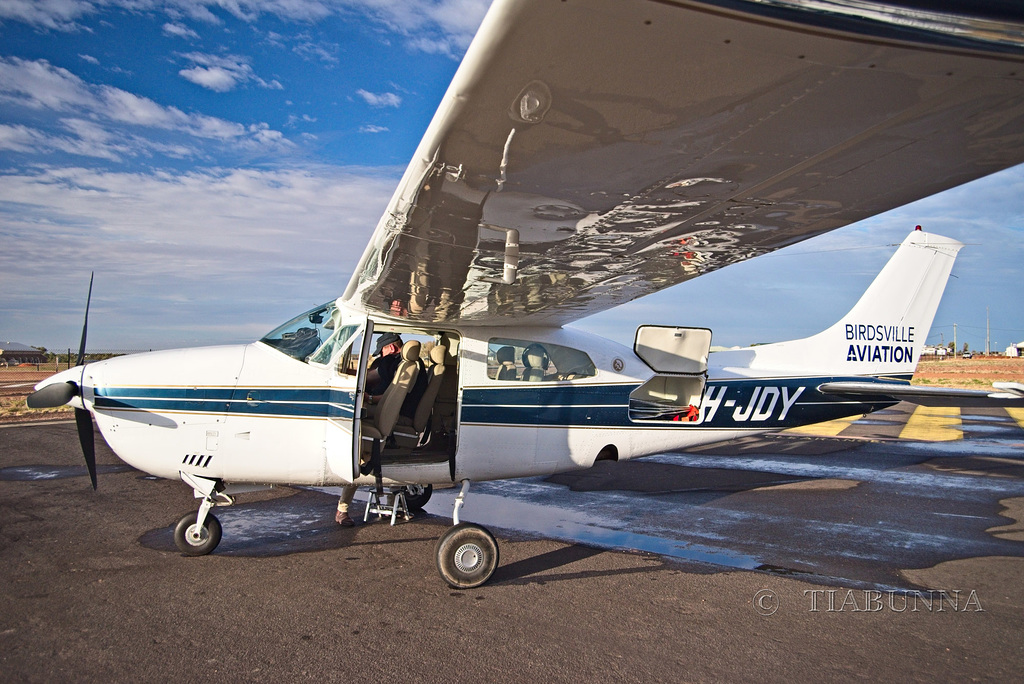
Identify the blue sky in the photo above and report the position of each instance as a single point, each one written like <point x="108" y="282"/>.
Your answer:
<point x="221" y="166"/>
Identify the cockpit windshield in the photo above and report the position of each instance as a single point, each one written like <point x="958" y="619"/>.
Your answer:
<point x="315" y="335"/>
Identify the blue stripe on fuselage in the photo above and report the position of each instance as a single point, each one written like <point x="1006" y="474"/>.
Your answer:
<point x="763" y="404"/>
<point x="257" y="401"/>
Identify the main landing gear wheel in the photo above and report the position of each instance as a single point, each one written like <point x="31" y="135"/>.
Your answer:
<point x="417" y="496"/>
<point x="467" y="556"/>
<point x="193" y="540"/>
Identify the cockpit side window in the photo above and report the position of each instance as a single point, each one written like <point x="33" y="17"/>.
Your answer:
<point x="527" y="360"/>
<point x="338" y="340"/>
<point x="315" y="336"/>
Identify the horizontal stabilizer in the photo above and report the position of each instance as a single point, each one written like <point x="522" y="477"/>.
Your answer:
<point x="1011" y="394"/>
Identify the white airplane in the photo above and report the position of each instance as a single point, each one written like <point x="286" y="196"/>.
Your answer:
<point x="588" y="153"/>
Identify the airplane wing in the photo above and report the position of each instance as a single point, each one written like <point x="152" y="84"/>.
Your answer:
<point x="591" y="152"/>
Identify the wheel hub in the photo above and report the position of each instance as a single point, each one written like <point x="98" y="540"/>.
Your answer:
<point x="196" y="535"/>
<point x="468" y="557"/>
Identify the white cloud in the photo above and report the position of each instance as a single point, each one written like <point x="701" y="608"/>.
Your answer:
<point x="179" y="31"/>
<point x="370" y="128"/>
<point x="380" y="99"/>
<point x="437" y="26"/>
<point x="311" y="50"/>
<point x="19" y="138"/>
<point x="88" y="58"/>
<point x="434" y="26"/>
<point x="294" y="120"/>
<point x="40" y="85"/>
<point x="51" y="14"/>
<point x="87" y="139"/>
<point x="222" y="73"/>
<point x="214" y="78"/>
<point x="209" y="256"/>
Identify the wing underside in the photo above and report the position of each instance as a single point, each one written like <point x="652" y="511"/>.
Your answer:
<point x="630" y="145"/>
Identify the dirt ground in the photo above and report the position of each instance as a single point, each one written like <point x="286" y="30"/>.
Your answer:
<point x="92" y="589"/>
<point x="977" y="373"/>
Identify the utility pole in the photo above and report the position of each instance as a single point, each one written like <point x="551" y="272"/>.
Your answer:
<point x="987" y="350"/>
<point x="954" y="340"/>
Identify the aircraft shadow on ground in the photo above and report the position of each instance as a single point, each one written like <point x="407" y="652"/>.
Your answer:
<point x="536" y="570"/>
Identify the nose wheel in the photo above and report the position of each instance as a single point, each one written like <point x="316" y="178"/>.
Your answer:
<point x="197" y="534"/>
<point x="467" y="556"/>
<point x="197" y="539"/>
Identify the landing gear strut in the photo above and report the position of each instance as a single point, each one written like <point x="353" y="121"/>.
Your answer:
<point x="467" y="554"/>
<point x="197" y="534"/>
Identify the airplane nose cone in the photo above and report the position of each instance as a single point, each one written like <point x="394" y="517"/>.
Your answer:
<point x="52" y="396"/>
<point x="58" y="390"/>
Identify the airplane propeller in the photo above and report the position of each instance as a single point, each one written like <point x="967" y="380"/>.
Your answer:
<point x="55" y="395"/>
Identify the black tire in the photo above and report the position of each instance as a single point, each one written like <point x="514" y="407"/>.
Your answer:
<point x="417" y="496"/>
<point x="467" y="556"/>
<point x="207" y="540"/>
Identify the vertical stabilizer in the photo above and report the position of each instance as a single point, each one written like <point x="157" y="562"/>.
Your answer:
<point x="883" y="334"/>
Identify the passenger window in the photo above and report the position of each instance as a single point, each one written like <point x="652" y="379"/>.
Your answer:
<point x="525" y="360"/>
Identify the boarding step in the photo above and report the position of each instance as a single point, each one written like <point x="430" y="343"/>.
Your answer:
<point x="387" y="504"/>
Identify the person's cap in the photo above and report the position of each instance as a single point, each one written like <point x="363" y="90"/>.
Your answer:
<point x="386" y="339"/>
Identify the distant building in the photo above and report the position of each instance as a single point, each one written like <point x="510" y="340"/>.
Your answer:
<point x="939" y="352"/>
<point x="1015" y="349"/>
<point x="14" y="353"/>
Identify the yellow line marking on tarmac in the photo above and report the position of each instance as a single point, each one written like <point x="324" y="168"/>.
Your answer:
<point x="829" y="428"/>
<point x="1017" y="414"/>
<point x="933" y="424"/>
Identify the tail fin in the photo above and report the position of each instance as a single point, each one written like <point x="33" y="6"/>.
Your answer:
<point x="884" y="333"/>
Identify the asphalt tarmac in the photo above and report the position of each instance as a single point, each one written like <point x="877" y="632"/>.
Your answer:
<point x="777" y="558"/>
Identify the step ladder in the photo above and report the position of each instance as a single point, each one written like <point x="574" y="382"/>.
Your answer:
<point x="378" y="505"/>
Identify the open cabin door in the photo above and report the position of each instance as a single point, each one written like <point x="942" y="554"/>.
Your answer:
<point x="343" y="439"/>
<point x="679" y="358"/>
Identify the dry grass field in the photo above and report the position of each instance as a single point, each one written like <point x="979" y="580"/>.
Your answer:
<point x="15" y="385"/>
<point x="977" y="373"/>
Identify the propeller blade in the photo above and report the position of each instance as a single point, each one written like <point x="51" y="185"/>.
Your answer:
<point x="85" y="326"/>
<point x="83" y="419"/>
<point x="52" y="396"/>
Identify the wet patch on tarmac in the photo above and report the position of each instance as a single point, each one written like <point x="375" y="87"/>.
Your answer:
<point x="300" y="523"/>
<point x="988" y="419"/>
<point x="899" y="505"/>
<point x="31" y="473"/>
